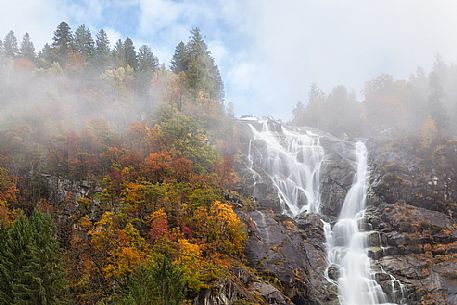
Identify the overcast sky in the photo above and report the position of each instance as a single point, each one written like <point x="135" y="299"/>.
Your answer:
<point x="268" y="51"/>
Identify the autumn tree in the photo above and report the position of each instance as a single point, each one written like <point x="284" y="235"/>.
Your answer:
<point x="428" y="132"/>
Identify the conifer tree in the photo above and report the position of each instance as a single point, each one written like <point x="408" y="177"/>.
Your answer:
<point x="180" y="60"/>
<point x="161" y="284"/>
<point x="119" y="53"/>
<point x="435" y="101"/>
<point x="62" y="42"/>
<point x="10" y="48"/>
<point x="196" y="61"/>
<point x="84" y="44"/>
<point x="147" y="62"/>
<point x="102" y="49"/>
<point x="46" y="54"/>
<point x="27" y="48"/>
<point x="130" y="54"/>
<point x="31" y="270"/>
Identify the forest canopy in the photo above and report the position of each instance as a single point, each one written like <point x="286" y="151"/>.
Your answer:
<point x="117" y="167"/>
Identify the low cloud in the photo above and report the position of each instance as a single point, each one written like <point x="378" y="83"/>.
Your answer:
<point x="269" y="52"/>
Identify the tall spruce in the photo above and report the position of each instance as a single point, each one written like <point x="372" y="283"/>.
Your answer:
<point x="27" y="48"/>
<point x="31" y="271"/>
<point x="119" y="53"/>
<point x="102" y="49"/>
<point x="196" y="62"/>
<point x="10" y="48"/>
<point x="62" y="42"/>
<point x="180" y="60"/>
<point x="436" y="108"/>
<point x="130" y="54"/>
<point x="45" y="55"/>
<point x="84" y="44"/>
<point x="147" y="62"/>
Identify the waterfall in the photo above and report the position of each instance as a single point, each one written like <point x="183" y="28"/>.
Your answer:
<point x="292" y="161"/>
<point x="347" y="243"/>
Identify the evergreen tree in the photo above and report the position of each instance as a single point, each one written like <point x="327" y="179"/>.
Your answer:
<point x="1" y="47"/>
<point x="202" y="72"/>
<point x="62" y="42"/>
<point x="102" y="49"/>
<point x="130" y="54"/>
<point x="46" y="54"/>
<point x="180" y="60"/>
<point x="435" y="105"/>
<point x="119" y="53"/>
<point x="10" y="48"/>
<point x="161" y="284"/>
<point x="31" y="271"/>
<point x="27" y="48"/>
<point x="84" y="44"/>
<point x="147" y="62"/>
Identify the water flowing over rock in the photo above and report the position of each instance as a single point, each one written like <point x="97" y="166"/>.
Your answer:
<point x="292" y="161"/>
<point x="347" y="243"/>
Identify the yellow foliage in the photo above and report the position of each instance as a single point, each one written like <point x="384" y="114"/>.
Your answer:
<point x="428" y="132"/>
<point x="191" y="259"/>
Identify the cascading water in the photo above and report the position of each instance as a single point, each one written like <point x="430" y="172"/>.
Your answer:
<point x="292" y="161"/>
<point x="347" y="244"/>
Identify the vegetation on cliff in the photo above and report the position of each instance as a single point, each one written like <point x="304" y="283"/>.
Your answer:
<point x="142" y="162"/>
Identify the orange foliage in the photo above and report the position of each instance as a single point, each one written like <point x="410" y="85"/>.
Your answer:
<point x="158" y="225"/>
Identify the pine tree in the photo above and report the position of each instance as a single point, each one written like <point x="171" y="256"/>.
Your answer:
<point x="10" y="48"/>
<point x="27" y="48"/>
<point x="435" y="101"/>
<point x="201" y="70"/>
<point x="161" y="284"/>
<point x="180" y="60"/>
<point x="62" y="42"/>
<point x="46" y="54"/>
<point x="130" y="54"/>
<point x="147" y="62"/>
<point x="119" y="53"/>
<point x="84" y="44"/>
<point x="102" y="49"/>
<point x="31" y="271"/>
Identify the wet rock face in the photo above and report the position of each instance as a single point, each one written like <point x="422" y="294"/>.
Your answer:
<point x="336" y="173"/>
<point x="412" y="208"/>
<point x="293" y="252"/>
<point x="413" y="200"/>
<point x="426" y="178"/>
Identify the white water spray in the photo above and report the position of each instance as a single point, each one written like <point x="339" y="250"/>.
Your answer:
<point x="347" y="244"/>
<point x="292" y="161"/>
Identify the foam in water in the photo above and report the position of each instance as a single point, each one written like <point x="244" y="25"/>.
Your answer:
<point x="292" y="161"/>
<point x="347" y="243"/>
